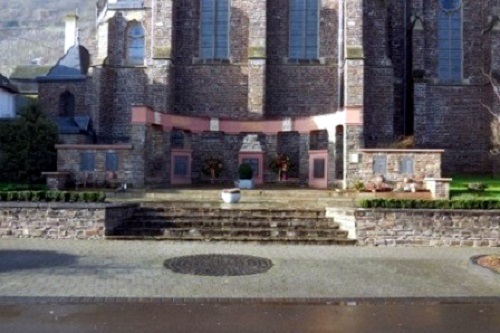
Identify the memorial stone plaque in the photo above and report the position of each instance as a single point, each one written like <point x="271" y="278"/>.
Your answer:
<point x="87" y="161"/>
<point x="181" y="165"/>
<point x="111" y="162"/>
<point x="406" y="165"/>
<point x="380" y="165"/>
<point x="319" y="168"/>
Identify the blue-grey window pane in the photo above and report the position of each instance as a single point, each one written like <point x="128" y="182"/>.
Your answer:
<point x="87" y="161"/>
<point x="214" y="29"/>
<point x="111" y="162"/>
<point x="304" y="18"/>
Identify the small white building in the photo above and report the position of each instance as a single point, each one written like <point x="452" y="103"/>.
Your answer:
<point x="8" y="93"/>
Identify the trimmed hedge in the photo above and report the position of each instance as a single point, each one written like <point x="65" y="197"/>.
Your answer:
<point x="55" y="196"/>
<point x="430" y="204"/>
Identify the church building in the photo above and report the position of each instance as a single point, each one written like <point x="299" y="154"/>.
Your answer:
<point x="165" y="85"/>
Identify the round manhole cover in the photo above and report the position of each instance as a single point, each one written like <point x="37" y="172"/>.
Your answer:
<point x="219" y="265"/>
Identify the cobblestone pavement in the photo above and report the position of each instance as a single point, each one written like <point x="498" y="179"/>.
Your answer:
<point x="134" y="269"/>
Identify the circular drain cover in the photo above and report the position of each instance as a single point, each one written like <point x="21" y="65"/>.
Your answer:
<point x="219" y="265"/>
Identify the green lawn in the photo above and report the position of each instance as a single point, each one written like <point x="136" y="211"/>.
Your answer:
<point x="458" y="187"/>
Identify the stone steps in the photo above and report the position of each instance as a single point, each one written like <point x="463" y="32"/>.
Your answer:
<point x="168" y="221"/>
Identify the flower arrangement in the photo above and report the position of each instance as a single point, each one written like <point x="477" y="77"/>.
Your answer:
<point x="212" y="167"/>
<point x="281" y="165"/>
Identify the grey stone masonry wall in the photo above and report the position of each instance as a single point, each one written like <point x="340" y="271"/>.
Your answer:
<point x="257" y="57"/>
<point x="412" y="227"/>
<point x="354" y="142"/>
<point x="426" y="164"/>
<point x="453" y="118"/>
<point x="50" y="93"/>
<point x="61" y="220"/>
<point x="301" y="88"/>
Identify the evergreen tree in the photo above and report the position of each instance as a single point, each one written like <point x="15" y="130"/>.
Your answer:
<point x="27" y="146"/>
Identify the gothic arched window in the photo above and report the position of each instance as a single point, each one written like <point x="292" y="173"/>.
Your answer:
<point x="304" y="29"/>
<point x="450" y="40"/>
<point x="66" y="104"/>
<point x="214" y="29"/>
<point x="135" y="44"/>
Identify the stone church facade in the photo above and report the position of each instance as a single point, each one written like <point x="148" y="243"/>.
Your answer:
<point x="165" y="85"/>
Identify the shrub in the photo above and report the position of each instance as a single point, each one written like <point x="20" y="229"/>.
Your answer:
<point x="359" y="185"/>
<point x="62" y="196"/>
<point x="245" y="171"/>
<point x="430" y="204"/>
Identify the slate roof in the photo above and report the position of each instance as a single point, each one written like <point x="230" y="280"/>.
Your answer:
<point x="72" y="66"/>
<point x="5" y="84"/>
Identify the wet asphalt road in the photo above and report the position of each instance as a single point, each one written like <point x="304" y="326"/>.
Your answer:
<point x="240" y="318"/>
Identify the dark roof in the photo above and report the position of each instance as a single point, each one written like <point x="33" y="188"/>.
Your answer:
<point x="73" y="125"/>
<point x="5" y="84"/>
<point x="72" y="66"/>
<point x="28" y="72"/>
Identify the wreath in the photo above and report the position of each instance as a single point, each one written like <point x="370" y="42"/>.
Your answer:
<point x="212" y="167"/>
<point x="281" y="165"/>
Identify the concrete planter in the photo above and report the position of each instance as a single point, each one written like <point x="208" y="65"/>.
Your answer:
<point x="245" y="183"/>
<point x="231" y="196"/>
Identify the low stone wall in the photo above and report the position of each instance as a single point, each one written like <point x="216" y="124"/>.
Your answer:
<point x="419" y="227"/>
<point x="61" y="220"/>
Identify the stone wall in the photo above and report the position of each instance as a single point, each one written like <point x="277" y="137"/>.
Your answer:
<point x="385" y="227"/>
<point x="426" y="164"/>
<point x="61" y="220"/>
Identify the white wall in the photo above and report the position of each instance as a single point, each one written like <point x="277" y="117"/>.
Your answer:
<point x="7" y="104"/>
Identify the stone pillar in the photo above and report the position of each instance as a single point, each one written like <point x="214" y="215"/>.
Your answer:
<point x="161" y="71"/>
<point x="354" y="85"/>
<point x="304" y="158"/>
<point x="257" y="57"/>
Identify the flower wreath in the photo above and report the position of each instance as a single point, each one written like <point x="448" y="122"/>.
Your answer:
<point x="212" y="167"/>
<point x="281" y="163"/>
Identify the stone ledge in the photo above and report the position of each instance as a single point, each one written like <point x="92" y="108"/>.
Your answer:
<point x="96" y="147"/>
<point x="66" y="205"/>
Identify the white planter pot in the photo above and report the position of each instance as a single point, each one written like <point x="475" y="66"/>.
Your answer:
<point x="229" y="197"/>
<point x="245" y="183"/>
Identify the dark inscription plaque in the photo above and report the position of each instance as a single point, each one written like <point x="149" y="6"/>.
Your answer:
<point x="380" y="165"/>
<point x="181" y="165"/>
<point x="254" y="163"/>
<point x="319" y="168"/>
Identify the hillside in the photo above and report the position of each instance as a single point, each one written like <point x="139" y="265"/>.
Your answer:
<point x="31" y="29"/>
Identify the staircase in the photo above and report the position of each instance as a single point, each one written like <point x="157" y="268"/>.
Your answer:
<point x="174" y="221"/>
<point x="262" y="215"/>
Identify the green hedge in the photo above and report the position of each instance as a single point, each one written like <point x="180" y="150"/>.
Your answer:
<point x="430" y="204"/>
<point x="56" y="196"/>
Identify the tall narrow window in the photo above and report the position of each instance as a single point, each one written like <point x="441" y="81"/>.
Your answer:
<point x="215" y="29"/>
<point x="450" y="40"/>
<point x="66" y="104"/>
<point x="304" y="27"/>
<point x="135" y="44"/>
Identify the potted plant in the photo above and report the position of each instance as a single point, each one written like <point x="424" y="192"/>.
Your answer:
<point x="232" y="195"/>
<point x="245" y="172"/>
